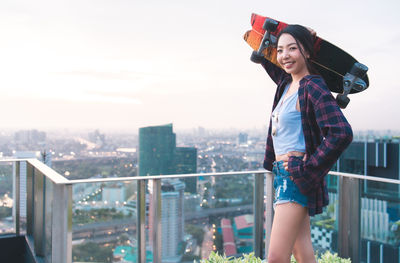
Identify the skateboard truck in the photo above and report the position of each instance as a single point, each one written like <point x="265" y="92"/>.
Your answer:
<point x="270" y="25"/>
<point x="352" y="80"/>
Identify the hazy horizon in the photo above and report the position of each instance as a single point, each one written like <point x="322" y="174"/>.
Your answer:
<point x="121" y="65"/>
<point x="193" y="130"/>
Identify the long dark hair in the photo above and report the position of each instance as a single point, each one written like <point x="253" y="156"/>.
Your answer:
<point x="303" y="39"/>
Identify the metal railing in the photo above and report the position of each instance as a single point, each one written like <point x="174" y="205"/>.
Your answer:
<point x="45" y="186"/>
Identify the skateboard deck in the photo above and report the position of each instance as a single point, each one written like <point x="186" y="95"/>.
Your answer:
<point x="330" y="61"/>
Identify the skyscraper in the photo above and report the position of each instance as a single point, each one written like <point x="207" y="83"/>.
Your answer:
<point x="22" y="178"/>
<point x="379" y="202"/>
<point x="185" y="159"/>
<point x="158" y="155"/>
<point x="243" y="138"/>
<point x="156" y="150"/>
<point x="172" y="218"/>
<point x="30" y="137"/>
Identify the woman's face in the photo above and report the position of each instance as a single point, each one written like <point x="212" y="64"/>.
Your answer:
<point x="289" y="56"/>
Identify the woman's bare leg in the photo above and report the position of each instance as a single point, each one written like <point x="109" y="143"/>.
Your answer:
<point x="303" y="250"/>
<point x="288" y="221"/>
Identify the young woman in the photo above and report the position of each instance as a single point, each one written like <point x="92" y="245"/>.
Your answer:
<point x="306" y="136"/>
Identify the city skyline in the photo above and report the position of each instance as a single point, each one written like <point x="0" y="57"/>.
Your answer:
<point x="121" y="65"/>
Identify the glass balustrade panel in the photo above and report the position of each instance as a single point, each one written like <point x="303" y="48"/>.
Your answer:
<point x="7" y="198"/>
<point x="104" y="222"/>
<point x="380" y="222"/>
<point x="215" y="215"/>
<point x="324" y="227"/>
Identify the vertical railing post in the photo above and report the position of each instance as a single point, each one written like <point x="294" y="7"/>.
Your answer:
<point x="368" y="251"/>
<point x="269" y="209"/>
<point x="349" y="219"/>
<point x="258" y="202"/>
<point x="141" y="220"/>
<point x="17" y="197"/>
<point x="30" y="197"/>
<point x="39" y="210"/>
<point x="156" y="218"/>
<point x="61" y="229"/>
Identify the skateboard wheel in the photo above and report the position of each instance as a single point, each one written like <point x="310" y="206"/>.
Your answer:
<point x="266" y="43"/>
<point x="359" y="70"/>
<point x="256" y="58"/>
<point x="342" y="101"/>
<point x="360" y="85"/>
<point x="270" y="25"/>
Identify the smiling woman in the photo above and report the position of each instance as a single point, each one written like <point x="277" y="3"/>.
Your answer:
<point x="307" y="134"/>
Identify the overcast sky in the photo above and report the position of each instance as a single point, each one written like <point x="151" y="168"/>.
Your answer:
<point x="124" y="64"/>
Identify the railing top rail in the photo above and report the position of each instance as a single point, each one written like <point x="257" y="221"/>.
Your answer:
<point x="167" y="176"/>
<point x="43" y="168"/>
<point x="59" y="179"/>
<point x="153" y="177"/>
<point x="48" y="172"/>
<point x="366" y="177"/>
<point x="6" y="160"/>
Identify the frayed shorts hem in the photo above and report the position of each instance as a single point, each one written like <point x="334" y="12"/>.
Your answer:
<point x="285" y="189"/>
<point x="280" y="202"/>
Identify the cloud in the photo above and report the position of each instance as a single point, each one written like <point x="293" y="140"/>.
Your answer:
<point x="109" y="97"/>
<point x="103" y="75"/>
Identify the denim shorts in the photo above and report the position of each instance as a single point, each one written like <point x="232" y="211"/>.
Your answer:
<point x="285" y="189"/>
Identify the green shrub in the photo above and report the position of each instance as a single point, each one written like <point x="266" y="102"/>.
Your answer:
<point x="216" y="258"/>
<point x="328" y="257"/>
<point x="332" y="258"/>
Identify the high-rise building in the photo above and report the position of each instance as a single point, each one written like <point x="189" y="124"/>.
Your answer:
<point x="172" y="219"/>
<point x="380" y="159"/>
<point x="45" y="158"/>
<point x="185" y="159"/>
<point x="156" y="150"/>
<point x="243" y="138"/>
<point x="98" y="138"/>
<point x="22" y="178"/>
<point x="380" y="210"/>
<point x="30" y="137"/>
<point x="158" y="155"/>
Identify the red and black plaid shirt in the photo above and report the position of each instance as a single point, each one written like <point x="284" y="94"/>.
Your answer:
<point x="326" y="132"/>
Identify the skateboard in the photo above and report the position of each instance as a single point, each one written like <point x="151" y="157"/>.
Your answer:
<point x="341" y="72"/>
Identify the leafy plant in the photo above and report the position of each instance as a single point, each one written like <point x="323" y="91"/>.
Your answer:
<point x="216" y="258"/>
<point x="328" y="257"/>
<point x="326" y="223"/>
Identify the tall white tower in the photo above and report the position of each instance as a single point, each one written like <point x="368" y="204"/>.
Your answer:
<point x="22" y="179"/>
<point x="172" y="219"/>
